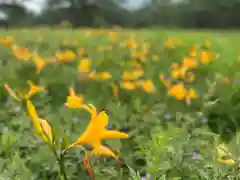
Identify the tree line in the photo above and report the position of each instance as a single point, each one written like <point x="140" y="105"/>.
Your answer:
<point x="164" y="13"/>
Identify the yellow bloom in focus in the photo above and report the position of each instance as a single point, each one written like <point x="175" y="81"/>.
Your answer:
<point x="178" y="91"/>
<point x="41" y="126"/>
<point x="84" y="66"/>
<point x="224" y="156"/>
<point x="105" y="76"/>
<point x="96" y="132"/>
<point x="66" y="56"/>
<point x="21" y="53"/>
<point x="39" y="62"/>
<point x="128" y="85"/>
<point x="189" y="63"/>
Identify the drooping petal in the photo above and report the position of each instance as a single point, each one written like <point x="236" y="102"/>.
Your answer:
<point x="46" y="129"/>
<point x="34" y="117"/>
<point x="113" y="135"/>
<point x="11" y="92"/>
<point x="103" y="150"/>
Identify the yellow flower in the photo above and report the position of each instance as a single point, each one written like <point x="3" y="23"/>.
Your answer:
<point x="178" y="91"/>
<point x="33" y="89"/>
<point x="6" y="41"/>
<point x="81" y="51"/>
<point x="21" y="53"/>
<point x="189" y="63"/>
<point x="147" y="85"/>
<point x="66" y="56"/>
<point x="41" y="126"/>
<point x="155" y="58"/>
<point x="39" y="61"/>
<point x="84" y="66"/>
<point x="179" y="72"/>
<point x="132" y="44"/>
<point x="128" y="85"/>
<point x="127" y="76"/>
<point x="92" y="75"/>
<point x="206" y="57"/>
<point x="165" y="81"/>
<point x="223" y="155"/>
<point x="96" y="132"/>
<point x="74" y="101"/>
<point x="105" y="76"/>
<point x="191" y="94"/>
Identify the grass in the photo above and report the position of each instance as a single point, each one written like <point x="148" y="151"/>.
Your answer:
<point x="190" y="132"/>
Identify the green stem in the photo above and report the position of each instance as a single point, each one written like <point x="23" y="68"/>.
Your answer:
<point x="62" y="167"/>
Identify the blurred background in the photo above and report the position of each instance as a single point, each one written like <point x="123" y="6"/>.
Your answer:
<point x="125" y="13"/>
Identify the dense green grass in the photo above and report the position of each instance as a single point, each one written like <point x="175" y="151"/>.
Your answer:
<point x="168" y="139"/>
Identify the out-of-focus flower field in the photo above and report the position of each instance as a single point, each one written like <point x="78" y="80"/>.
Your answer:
<point x="119" y="104"/>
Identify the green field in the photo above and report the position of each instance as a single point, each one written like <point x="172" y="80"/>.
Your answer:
<point x="174" y="93"/>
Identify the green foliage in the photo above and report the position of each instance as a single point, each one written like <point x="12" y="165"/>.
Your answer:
<point x="168" y="138"/>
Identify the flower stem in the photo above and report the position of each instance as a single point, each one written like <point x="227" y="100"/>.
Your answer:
<point x="62" y="167"/>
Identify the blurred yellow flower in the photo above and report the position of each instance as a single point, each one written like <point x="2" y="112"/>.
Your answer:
<point x="178" y="91"/>
<point x="6" y="41"/>
<point x="66" y="56"/>
<point x="224" y="156"/>
<point x="206" y="57"/>
<point x="21" y="53"/>
<point x="105" y="76"/>
<point x="33" y="89"/>
<point x="39" y="62"/>
<point x="189" y="63"/>
<point x="96" y="132"/>
<point x="84" y="66"/>
<point x="75" y="101"/>
<point x="128" y="85"/>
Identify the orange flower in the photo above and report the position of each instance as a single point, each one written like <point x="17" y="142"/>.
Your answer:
<point x="189" y="63"/>
<point x="128" y="85"/>
<point x="178" y="91"/>
<point x="96" y="132"/>
<point x="66" y="56"/>
<point x="21" y="53"/>
<point x="39" y="61"/>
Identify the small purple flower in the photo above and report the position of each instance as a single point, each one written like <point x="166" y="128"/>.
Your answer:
<point x="204" y="121"/>
<point x="5" y="129"/>
<point x="196" y="156"/>
<point x="167" y="116"/>
<point x="60" y="140"/>
<point x="146" y="177"/>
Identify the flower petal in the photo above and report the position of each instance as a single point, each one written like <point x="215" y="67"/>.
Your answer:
<point x="46" y="129"/>
<point x="113" y="135"/>
<point x="103" y="150"/>
<point x="34" y="117"/>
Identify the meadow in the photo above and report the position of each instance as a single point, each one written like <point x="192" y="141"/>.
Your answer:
<point x="149" y="104"/>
